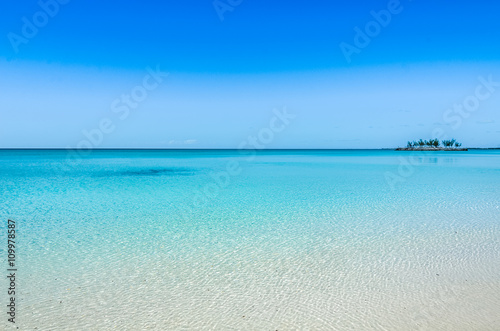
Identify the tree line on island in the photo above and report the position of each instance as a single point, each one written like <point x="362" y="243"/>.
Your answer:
<point x="434" y="143"/>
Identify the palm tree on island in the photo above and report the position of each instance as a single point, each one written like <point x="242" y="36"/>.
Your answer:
<point x="432" y="145"/>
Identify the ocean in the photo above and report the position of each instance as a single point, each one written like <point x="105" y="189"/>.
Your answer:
<point x="245" y="240"/>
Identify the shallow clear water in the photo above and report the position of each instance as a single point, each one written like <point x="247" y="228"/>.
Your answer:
<point x="322" y="240"/>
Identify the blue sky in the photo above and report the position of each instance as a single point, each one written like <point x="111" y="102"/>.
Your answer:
<point x="226" y="76"/>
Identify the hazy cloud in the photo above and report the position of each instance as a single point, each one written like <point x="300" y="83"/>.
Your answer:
<point x="182" y="142"/>
<point x="485" y="122"/>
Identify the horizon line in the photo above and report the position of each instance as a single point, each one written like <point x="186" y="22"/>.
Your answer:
<point x="208" y="149"/>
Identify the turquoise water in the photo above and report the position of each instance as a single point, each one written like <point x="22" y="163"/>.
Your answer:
<point x="222" y="240"/>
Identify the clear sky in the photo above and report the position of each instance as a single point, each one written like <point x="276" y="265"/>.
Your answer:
<point x="357" y="74"/>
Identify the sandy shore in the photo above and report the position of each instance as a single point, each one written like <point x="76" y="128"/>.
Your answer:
<point x="432" y="149"/>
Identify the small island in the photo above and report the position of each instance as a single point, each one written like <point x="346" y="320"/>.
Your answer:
<point x="432" y="145"/>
